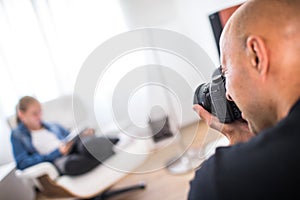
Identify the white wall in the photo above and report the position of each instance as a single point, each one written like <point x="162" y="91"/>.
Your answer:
<point x="77" y="34"/>
<point x="187" y="17"/>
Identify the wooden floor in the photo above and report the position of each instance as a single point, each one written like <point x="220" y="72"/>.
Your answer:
<point x="160" y="183"/>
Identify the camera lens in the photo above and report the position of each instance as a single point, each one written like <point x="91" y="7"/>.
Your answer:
<point x="212" y="97"/>
<point x="202" y="96"/>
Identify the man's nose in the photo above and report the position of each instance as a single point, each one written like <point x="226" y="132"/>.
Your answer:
<point x="228" y="96"/>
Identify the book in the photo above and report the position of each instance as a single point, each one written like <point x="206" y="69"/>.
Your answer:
<point x="73" y="135"/>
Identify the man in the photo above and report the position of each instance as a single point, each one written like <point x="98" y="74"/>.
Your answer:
<point x="260" y="56"/>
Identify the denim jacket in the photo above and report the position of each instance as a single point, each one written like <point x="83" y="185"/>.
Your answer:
<point x="24" y="152"/>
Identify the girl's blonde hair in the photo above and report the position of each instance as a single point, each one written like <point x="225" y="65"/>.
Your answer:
<point x="23" y="105"/>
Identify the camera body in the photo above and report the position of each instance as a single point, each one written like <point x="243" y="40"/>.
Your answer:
<point x="212" y="96"/>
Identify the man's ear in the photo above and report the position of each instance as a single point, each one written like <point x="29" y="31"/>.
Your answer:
<point x="258" y="54"/>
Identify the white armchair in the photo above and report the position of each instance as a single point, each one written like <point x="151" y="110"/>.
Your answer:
<point x="94" y="183"/>
<point x="91" y="184"/>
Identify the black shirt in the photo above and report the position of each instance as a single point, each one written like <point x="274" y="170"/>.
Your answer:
<point x="266" y="167"/>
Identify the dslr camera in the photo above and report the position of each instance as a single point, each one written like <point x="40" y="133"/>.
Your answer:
<point x="212" y="96"/>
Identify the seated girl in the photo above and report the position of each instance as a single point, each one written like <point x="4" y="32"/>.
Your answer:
<point x="35" y="141"/>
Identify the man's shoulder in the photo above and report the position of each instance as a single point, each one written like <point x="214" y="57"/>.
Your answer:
<point x="264" y="149"/>
<point x="257" y="164"/>
<point x="268" y="164"/>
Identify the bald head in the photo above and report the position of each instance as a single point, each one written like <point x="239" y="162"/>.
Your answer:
<point x="260" y="48"/>
<point x="265" y="17"/>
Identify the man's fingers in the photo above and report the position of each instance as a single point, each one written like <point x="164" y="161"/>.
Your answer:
<point x="202" y="112"/>
<point x="210" y="120"/>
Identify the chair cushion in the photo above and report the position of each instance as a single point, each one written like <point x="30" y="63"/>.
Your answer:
<point x="110" y="172"/>
<point x="44" y="168"/>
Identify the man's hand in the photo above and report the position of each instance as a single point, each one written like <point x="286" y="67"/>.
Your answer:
<point x="236" y="131"/>
<point x="66" y="148"/>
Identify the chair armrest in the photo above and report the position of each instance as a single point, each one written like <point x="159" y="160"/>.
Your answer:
<point x="38" y="170"/>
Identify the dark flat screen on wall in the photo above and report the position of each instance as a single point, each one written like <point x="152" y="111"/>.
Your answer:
<point x="218" y="21"/>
